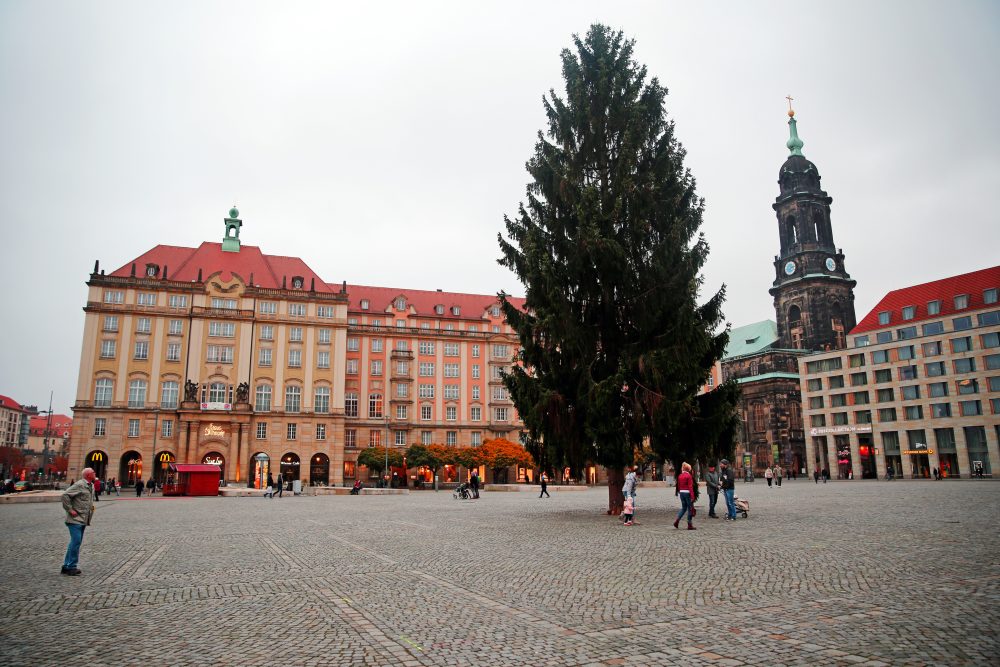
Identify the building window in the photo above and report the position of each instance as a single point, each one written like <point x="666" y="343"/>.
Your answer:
<point x="990" y="340"/>
<point x="932" y="349"/>
<point x="451" y="349"/>
<point x="375" y="323"/>
<point x="268" y="307"/>
<point x="217" y="393"/>
<point x="293" y="398"/>
<point x="914" y="412"/>
<point x="425" y="413"/>
<point x="475" y="392"/>
<point x="376" y="367"/>
<point x="886" y="395"/>
<point x="100" y="426"/>
<point x="426" y="369"/>
<point x="402" y="412"/>
<point x="400" y="438"/>
<point x="324" y="336"/>
<point x="861" y="341"/>
<point x="908" y="373"/>
<point x="264" y="356"/>
<point x="476" y="438"/>
<point x="451" y="392"/>
<point x="475" y="351"/>
<point x="297" y="309"/>
<point x="450" y="413"/>
<point x="350" y="438"/>
<point x="909" y="312"/>
<point x="353" y="345"/>
<point x="364" y="304"/>
<point x="261" y="430"/>
<point x="350" y="404"/>
<point x="476" y="413"/>
<point x="887" y="414"/>
<point x="375" y="438"/>
<point x="990" y="295"/>
<point x="451" y="370"/>
<point x="321" y="431"/>
<point x="400" y="303"/>
<point x="111" y="323"/>
<point x="173" y="351"/>
<point x="402" y="390"/>
<point x="962" y="323"/>
<point x="169" y="394"/>
<point x="425" y="391"/>
<point x="426" y="437"/>
<point x="223" y="304"/>
<point x="114" y="296"/>
<point x="906" y="333"/>
<point x="910" y="392"/>
<point x="937" y="389"/>
<point x="933" y="328"/>
<point x="994" y="383"/>
<point x="860" y="398"/>
<point x="961" y="301"/>
<point x="451" y="438"/>
<point x="501" y="352"/>
<point x="883" y="375"/>
<point x="137" y="394"/>
<point x="223" y="329"/>
<point x="425" y="347"/>
<point x="905" y="353"/>
<point x="295" y="358"/>
<point x="176" y="327"/>
<point x="883" y="337"/>
<point x="178" y="301"/>
<point x="883" y="317"/>
<point x="835" y="382"/>
<point x="219" y="354"/>
<point x="102" y="393"/>
<point x="376" y="344"/>
<point x="375" y="406"/>
<point x="168" y="428"/>
<point x="863" y="417"/>
<point x="970" y="408"/>
<point x="108" y="348"/>
<point x="968" y="386"/>
<point x="323" y="360"/>
<point x="291" y="431"/>
<point x="933" y="307"/>
<point x="295" y="334"/>
<point x="352" y="367"/>
<point x="859" y="379"/>
<point x="880" y="357"/>
<point x="500" y="414"/>
<point x="934" y="369"/>
<point x="321" y="401"/>
<point x="267" y="332"/>
<point x="142" y="349"/>
<point x="817" y="420"/>
<point x="939" y="410"/>
<point x="133" y="428"/>
<point x="838" y="400"/>
<point x="965" y="365"/>
<point x="815" y="384"/>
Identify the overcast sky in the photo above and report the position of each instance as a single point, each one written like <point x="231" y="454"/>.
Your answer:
<point x="383" y="142"/>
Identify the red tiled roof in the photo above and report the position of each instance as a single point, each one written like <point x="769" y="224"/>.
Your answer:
<point x="183" y="264"/>
<point x="944" y="290"/>
<point x="471" y="306"/>
<point x="9" y="403"/>
<point x="196" y="467"/>
<point x="59" y="423"/>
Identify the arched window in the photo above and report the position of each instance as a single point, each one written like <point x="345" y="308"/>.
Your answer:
<point x="837" y="325"/>
<point x="759" y="412"/>
<point x="790" y="231"/>
<point x="818" y="226"/>
<point x="375" y="406"/>
<point x="795" y="329"/>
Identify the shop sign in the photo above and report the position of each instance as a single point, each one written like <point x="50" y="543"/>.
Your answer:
<point x="850" y="428"/>
<point x="216" y="406"/>
<point x="918" y="451"/>
<point x="214" y="431"/>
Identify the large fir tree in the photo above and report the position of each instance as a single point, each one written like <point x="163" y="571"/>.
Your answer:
<point x="614" y="340"/>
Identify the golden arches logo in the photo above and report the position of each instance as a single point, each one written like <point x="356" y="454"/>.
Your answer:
<point x="166" y="458"/>
<point x="97" y="456"/>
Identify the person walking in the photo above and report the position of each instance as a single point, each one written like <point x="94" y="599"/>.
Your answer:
<point x="769" y="476"/>
<point x="825" y="475"/>
<point x="139" y="486"/>
<point x="474" y="483"/>
<point x="816" y="475"/>
<point x="151" y="486"/>
<point x="78" y="501"/>
<point x="712" y="485"/>
<point x="97" y="489"/>
<point x="269" y="491"/>
<point x="778" y="472"/>
<point x="628" y="510"/>
<point x="281" y="484"/>
<point x="727" y="482"/>
<point x="544" y="479"/>
<point x="685" y="489"/>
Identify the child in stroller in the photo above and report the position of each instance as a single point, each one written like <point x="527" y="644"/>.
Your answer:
<point x="742" y="506"/>
<point x="462" y="491"/>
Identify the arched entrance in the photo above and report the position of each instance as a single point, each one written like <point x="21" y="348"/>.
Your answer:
<point x="217" y="459"/>
<point x="319" y="470"/>
<point x="130" y="468"/>
<point x="163" y="461"/>
<point x="260" y="466"/>
<point x="290" y="467"/>
<point x="97" y="460"/>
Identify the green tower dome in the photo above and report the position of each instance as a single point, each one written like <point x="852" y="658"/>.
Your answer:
<point x="234" y="212"/>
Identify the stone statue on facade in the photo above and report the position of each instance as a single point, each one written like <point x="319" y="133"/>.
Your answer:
<point x="243" y="392"/>
<point x="190" y="391"/>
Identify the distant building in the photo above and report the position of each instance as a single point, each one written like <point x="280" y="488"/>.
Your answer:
<point x="12" y="416"/>
<point x="918" y="389"/>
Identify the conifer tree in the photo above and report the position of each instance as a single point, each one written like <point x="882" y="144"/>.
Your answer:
<point x="615" y="342"/>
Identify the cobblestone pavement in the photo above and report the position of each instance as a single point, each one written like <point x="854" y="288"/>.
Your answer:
<point x="902" y="573"/>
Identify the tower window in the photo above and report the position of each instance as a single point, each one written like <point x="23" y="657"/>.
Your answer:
<point x="790" y="230"/>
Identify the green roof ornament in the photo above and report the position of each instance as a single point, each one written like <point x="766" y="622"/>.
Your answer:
<point x="231" y="241"/>
<point x="234" y="212"/>
<point x="794" y="143"/>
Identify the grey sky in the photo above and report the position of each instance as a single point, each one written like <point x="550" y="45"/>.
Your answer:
<point x="384" y="142"/>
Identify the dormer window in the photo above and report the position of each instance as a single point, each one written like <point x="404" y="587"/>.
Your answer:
<point x="439" y="309"/>
<point x="364" y="304"/>
<point x="883" y="317"/>
<point x="909" y="312"/>
<point x="400" y="303"/>
<point x="961" y="301"/>
<point x="297" y="282"/>
<point x="152" y="270"/>
<point x="495" y="311"/>
<point x="990" y="295"/>
<point x="455" y="310"/>
<point x="934" y="307"/>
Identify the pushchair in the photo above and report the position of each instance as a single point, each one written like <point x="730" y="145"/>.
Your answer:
<point x="462" y="491"/>
<point x="742" y="506"/>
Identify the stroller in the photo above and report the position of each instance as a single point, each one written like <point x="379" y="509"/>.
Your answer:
<point x="462" y="491"/>
<point x="742" y="506"/>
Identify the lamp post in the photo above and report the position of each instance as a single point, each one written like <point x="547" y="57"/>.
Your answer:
<point x="385" y="423"/>
<point x="46" y="435"/>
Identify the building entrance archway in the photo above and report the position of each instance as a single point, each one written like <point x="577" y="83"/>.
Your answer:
<point x="97" y="460"/>
<point x="130" y="468"/>
<point x="260" y="467"/>
<point x="290" y="465"/>
<point x="319" y="470"/>
<point x="163" y="461"/>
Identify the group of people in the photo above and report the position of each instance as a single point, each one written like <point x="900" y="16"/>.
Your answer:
<point x="823" y="474"/>
<point x="273" y="488"/>
<point x="773" y="475"/>
<point x="686" y="489"/>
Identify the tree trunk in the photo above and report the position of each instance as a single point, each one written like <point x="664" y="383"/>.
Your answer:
<point x="616" y="480"/>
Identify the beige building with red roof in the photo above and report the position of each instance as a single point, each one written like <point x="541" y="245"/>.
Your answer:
<point x="223" y="354"/>
<point x="918" y="388"/>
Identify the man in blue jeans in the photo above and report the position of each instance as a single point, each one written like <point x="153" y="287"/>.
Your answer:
<point x="728" y="483"/>
<point x="78" y="501"/>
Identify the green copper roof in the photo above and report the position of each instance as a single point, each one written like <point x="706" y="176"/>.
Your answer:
<point x="767" y="376"/>
<point x="751" y="338"/>
<point x="794" y="143"/>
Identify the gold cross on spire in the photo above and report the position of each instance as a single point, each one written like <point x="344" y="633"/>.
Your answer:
<point x="791" y="113"/>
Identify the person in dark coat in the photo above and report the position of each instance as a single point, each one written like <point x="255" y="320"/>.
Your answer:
<point x="269" y="492"/>
<point x="281" y="484"/>
<point x="139" y="485"/>
<point x="150" y="486"/>
<point x="474" y="483"/>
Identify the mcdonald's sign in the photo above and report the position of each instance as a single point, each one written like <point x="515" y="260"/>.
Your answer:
<point x="96" y="456"/>
<point x="166" y="457"/>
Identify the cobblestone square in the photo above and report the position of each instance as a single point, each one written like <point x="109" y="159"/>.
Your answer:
<point x="844" y="573"/>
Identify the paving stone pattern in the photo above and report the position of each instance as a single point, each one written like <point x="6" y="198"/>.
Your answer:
<point x="847" y="573"/>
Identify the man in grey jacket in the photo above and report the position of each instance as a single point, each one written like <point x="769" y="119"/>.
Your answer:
<point x="78" y="501"/>
<point x="712" y="484"/>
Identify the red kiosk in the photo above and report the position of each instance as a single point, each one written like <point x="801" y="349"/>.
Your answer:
<point x="192" y="479"/>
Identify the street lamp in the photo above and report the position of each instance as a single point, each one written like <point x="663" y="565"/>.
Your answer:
<point x="385" y="422"/>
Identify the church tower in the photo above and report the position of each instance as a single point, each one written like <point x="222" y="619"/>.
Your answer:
<point x="813" y="293"/>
